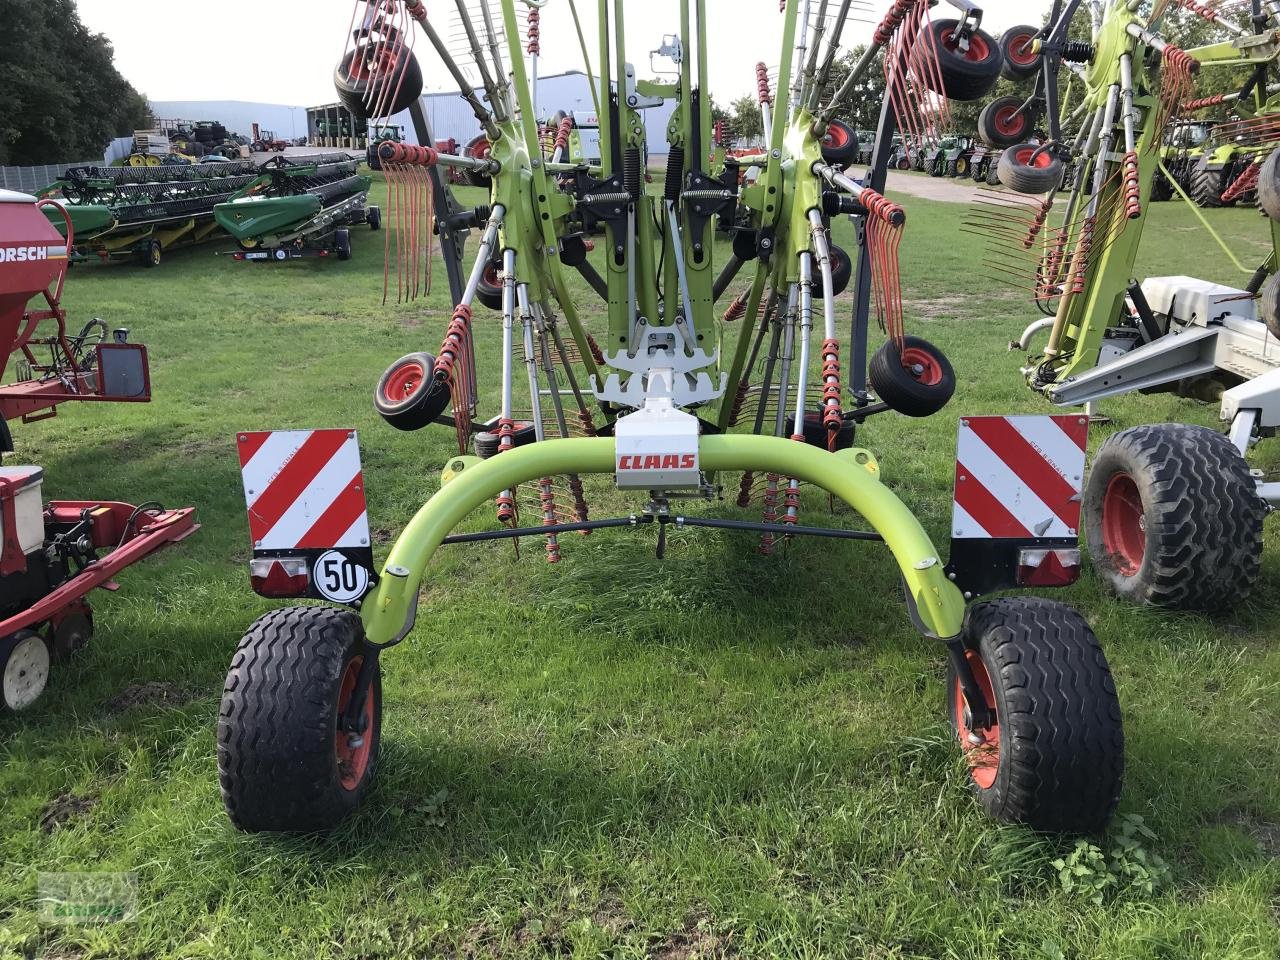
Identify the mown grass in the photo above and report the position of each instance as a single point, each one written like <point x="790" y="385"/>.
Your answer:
<point x="717" y="754"/>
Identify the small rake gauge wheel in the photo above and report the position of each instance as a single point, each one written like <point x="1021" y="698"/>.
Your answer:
<point x="967" y="74"/>
<point x="376" y="66"/>
<point x="917" y="382"/>
<point x="1025" y="168"/>
<point x="489" y="290"/>
<point x="408" y="396"/>
<point x="284" y="761"/>
<point x="839" y="144"/>
<point x="1173" y="519"/>
<point x="24" y="669"/>
<point x="1002" y="122"/>
<point x="1269" y="305"/>
<point x="1054" y="757"/>
<point x="1269" y="185"/>
<point x="1020" y="60"/>
<point x="841" y="270"/>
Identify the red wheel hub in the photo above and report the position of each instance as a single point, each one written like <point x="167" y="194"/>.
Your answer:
<point x="1021" y="50"/>
<point x="404" y="382"/>
<point x="353" y="761"/>
<point x="1033" y="157"/>
<point x="1010" y="122"/>
<point x="837" y="136"/>
<point x="981" y="747"/>
<point x="1124" y="524"/>
<point x="922" y="365"/>
<point x="978" y="50"/>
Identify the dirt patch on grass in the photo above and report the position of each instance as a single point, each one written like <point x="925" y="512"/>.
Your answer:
<point x="1264" y="832"/>
<point x="65" y="808"/>
<point x="612" y="917"/>
<point x="151" y="693"/>
<point x="696" y="939"/>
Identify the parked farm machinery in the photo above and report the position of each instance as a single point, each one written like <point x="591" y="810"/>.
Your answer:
<point x="1172" y="513"/>
<point x="711" y="371"/>
<point x="52" y="556"/>
<point x="140" y="212"/>
<point x="300" y="209"/>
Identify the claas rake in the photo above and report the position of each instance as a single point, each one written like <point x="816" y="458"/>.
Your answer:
<point x="706" y="376"/>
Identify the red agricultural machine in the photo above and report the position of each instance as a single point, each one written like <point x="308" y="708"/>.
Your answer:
<point x="53" y="555"/>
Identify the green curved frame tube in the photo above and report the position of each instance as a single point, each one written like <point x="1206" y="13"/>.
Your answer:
<point x="389" y="610"/>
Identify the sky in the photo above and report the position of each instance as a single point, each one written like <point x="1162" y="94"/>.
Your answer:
<point x="285" y="51"/>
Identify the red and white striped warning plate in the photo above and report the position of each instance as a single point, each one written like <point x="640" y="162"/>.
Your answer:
<point x="304" y="489"/>
<point x="1019" y="477"/>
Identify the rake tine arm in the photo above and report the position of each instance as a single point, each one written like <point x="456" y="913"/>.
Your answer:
<point x="419" y="13"/>
<point x="497" y="97"/>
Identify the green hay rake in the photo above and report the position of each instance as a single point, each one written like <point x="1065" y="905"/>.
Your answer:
<point x="1172" y="514"/>
<point x="690" y="383"/>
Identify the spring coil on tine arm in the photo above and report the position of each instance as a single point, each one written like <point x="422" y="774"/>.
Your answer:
<point x="1204" y="102"/>
<point x="832" y="416"/>
<point x="1132" y="188"/>
<point x="409" y="154"/>
<point x="454" y="341"/>
<point x="892" y="18"/>
<point x="762" y="85"/>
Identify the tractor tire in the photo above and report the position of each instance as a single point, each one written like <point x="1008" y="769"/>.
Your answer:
<point x="1161" y="188"/>
<point x="1269" y="185"/>
<point x="1000" y="124"/>
<point x="917" y="382"/>
<point x="1173" y="519"/>
<point x="1024" y="170"/>
<point x="1269" y="305"/>
<point x="993" y="172"/>
<point x="839" y="144"/>
<point x="373" y="217"/>
<point x="965" y="74"/>
<point x="959" y="167"/>
<point x="283" y="762"/>
<point x="1054" y="758"/>
<point x="1207" y="185"/>
<point x="1018" y="61"/>
<point x="408" y="396"/>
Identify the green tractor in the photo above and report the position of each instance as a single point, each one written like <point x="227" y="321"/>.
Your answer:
<point x="1183" y="147"/>
<point x="955" y="158"/>
<point x="380" y="133"/>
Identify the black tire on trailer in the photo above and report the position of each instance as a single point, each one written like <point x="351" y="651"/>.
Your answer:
<point x="1025" y="168"/>
<point x="1269" y="185"/>
<point x="342" y="243"/>
<point x="965" y="74"/>
<point x="1003" y="122"/>
<point x="489" y="290"/>
<point x="1269" y="307"/>
<point x="1207" y="186"/>
<point x="839" y="144"/>
<point x="1018" y="60"/>
<point x="917" y="382"/>
<point x="283" y="762"/>
<point x="1054" y="758"/>
<point x="373" y="216"/>
<point x="152" y="254"/>
<point x="1173" y="519"/>
<point x="408" y="396"/>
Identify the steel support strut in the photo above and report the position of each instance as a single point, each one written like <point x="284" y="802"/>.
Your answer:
<point x="937" y="604"/>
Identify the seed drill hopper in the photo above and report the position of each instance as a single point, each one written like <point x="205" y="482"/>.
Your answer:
<point x="700" y="369"/>
<point x="1172" y="513"/>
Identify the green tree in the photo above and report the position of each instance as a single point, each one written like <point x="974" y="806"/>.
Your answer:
<point x="63" y="99"/>
<point x="746" y="120"/>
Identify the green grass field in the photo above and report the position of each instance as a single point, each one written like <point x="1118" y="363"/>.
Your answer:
<point x="720" y="754"/>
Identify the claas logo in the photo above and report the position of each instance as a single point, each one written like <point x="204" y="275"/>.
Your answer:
<point x="658" y="461"/>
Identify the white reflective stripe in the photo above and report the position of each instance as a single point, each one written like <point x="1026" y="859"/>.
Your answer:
<point x="269" y="460"/>
<point x="1006" y="486"/>
<point x="1055" y="445"/>
<point x="964" y="527"/>
<point x="320" y="493"/>
<point x="358" y="535"/>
